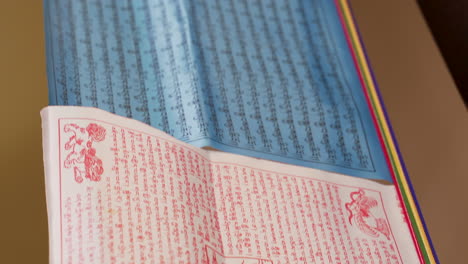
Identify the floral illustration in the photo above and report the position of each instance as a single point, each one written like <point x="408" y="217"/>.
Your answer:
<point x="82" y="155"/>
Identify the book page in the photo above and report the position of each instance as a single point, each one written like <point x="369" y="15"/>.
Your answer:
<point x="273" y="79"/>
<point x="119" y="191"/>
<point x="287" y="214"/>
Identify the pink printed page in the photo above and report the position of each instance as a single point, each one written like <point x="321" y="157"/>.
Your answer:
<point x="119" y="191"/>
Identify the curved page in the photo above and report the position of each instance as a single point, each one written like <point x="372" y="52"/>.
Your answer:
<point x="120" y="191"/>
<point x="272" y="79"/>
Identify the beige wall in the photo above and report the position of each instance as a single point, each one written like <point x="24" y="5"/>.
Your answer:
<point x="23" y="223"/>
<point x="427" y="114"/>
<point x="430" y="122"/>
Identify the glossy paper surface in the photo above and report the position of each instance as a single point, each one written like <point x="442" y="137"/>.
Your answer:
<point x="270" y="79"/>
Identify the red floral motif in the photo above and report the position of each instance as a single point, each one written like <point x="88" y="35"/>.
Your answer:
<point x="96" y="132"/>
<point x="361" y="215"/>
<point x="82" y="157"/>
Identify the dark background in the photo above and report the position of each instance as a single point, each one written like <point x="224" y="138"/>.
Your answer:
<point x="427" y="113"/>
<point x="448" y="23"/>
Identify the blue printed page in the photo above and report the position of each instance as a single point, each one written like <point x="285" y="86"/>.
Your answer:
<point x="272" y="79"/>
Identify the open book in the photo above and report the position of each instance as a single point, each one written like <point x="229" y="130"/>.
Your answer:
<point x="120" y="191"/>
<point x="281" y="80"/>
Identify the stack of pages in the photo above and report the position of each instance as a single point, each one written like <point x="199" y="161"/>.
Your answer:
<point x="220" y="131"/>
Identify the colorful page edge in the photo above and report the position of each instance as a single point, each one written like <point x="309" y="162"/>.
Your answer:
<point x="387" y="137"/>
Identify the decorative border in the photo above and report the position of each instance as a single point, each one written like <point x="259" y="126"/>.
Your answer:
<point x="209" y="248"/>
<point x="183" y="145"/>
<point x="387" y="139"/>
